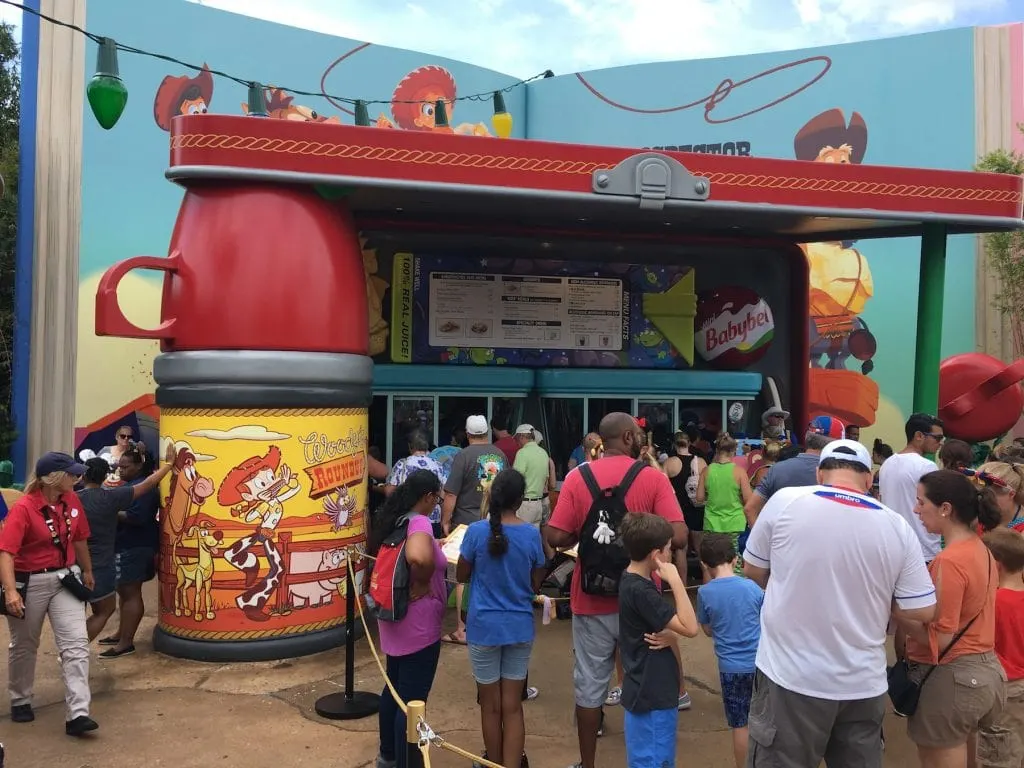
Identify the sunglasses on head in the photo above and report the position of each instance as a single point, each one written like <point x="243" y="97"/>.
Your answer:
<point x="983" y="479"/>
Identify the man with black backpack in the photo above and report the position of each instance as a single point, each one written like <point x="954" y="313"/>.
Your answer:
<point x="591" y="506"/>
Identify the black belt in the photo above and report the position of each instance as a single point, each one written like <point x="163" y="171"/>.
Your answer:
<point x="538" y="498"/>
<point x="47" y="570"/>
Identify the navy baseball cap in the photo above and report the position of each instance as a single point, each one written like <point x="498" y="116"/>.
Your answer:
<point x="54" y="461"/>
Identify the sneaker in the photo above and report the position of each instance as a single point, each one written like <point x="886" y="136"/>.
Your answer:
<point x="532" y="693"/>
<point x="684" y="702"/>
<point x="80" y="726"/>
<point x="614" y="697"/>
<point x="113" y="653"/>
<point x="22" y="713"/>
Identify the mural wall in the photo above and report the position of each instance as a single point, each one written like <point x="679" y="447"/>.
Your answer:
<point x="905" y="101"/>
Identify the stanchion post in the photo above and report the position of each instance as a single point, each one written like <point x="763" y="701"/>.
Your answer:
<point x="349" y="704"/>
<point x="416" y="711"/>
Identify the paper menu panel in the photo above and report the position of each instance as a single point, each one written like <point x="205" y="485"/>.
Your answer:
<point x="516" y="312"/>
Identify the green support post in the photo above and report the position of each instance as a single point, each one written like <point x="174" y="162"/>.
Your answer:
<point x="929" y="319"/>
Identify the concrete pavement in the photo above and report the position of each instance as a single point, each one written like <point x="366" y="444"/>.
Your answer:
<point x="156" y="711"/>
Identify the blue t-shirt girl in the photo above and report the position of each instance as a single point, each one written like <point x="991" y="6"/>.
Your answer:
<point x="503" y="561"/>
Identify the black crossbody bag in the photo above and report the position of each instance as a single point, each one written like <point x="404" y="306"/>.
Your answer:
<point x="904" y="692"/>
<point x="67" y="576"/>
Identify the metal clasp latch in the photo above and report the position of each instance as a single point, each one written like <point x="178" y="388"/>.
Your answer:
<point x="653" y="178"/>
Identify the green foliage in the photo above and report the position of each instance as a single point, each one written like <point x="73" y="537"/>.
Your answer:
<point x="10" y="114"/>
<point x="1005" y="250"/>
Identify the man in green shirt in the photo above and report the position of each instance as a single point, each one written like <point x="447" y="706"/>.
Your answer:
<point x="532" y="461"/>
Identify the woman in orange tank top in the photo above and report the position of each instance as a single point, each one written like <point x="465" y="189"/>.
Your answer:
<point x="956" y="650"/>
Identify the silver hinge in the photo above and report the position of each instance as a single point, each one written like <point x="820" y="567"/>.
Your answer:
<point x="653" y="178"/>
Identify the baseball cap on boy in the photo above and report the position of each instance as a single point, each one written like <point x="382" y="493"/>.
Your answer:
<point x="847" y="450"/>
<point x="55" y="461"/>
<point x="477" y="425"/>
<point x="829" y="426"/>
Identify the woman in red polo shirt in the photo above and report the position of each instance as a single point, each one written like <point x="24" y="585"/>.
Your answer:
<point x="46" y="537"/>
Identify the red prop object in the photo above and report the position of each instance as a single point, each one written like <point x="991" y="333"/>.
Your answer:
<point x="242" y="259"/>
<point x="980" y="396"/>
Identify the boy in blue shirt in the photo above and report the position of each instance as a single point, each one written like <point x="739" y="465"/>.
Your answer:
<point x="729" y="612"/>
<point x="650" y="684"/>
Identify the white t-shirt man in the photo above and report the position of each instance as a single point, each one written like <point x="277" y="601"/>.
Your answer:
<point x="837" y="558"/>
<point x="897" y="485"/>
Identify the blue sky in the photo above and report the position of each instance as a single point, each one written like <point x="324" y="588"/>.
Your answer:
<point x="523" y="37"/>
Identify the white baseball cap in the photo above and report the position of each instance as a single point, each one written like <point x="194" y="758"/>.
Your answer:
<point x="525" y="429"/>
<point x="847" y="450"/>
<point x="477" y="425"/>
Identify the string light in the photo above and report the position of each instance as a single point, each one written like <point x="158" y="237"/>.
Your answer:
<point x="362" y="114"/>
<point x="106" y="92"/>
<point x="440" y="114"/>
<point x="257" y="102"/>
<point x="502" y="120"/>
<point x="109" y="95"/>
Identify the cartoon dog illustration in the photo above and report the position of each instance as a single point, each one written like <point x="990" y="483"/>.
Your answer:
<point x="256" y="491"/>
<point x="198" y="573"/>
<point x="281" y="106"/>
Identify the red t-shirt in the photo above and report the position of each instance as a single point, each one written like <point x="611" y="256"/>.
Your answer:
<point x="509" y="447"/>
<point x="651" y="492"/>
<point x="1010" y="632"/>
<point x="27" y="537"/>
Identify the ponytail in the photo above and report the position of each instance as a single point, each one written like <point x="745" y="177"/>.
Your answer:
<point x="401" y="502"/>
<point x="989" y="516"/>
<point x="505" y="494"/>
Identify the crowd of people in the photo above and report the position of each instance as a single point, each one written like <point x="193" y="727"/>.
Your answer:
<point x="811" y="561"/>
<point x="82" y="533"/>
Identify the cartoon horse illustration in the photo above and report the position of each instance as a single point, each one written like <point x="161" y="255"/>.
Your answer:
<point x="189" y="491"/>
<point x="199" y="573"/>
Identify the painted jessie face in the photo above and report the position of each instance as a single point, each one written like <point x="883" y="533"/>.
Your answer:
<point x="263" y="487"/>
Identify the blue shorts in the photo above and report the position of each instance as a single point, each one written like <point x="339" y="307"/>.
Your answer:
<point x="492" y="663"/>
<point x="651" y="738"/>
<point x="135" y="565"/>
<point x="737" y="688"/>
<point x="106" y="582"/>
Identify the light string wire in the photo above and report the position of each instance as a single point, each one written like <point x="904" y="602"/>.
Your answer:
<point x="246" y="82"/>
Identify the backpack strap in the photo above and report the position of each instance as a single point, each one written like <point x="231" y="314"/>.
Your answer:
<point x="630" y="476"/>
<point x="590" y="480"/>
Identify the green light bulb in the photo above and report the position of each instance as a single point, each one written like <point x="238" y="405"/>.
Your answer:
<point x="106" y="93"/>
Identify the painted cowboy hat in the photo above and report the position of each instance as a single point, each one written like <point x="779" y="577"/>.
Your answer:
<point x="229" y="493"/>
<point x="830" y="129"/>
<point x="175" y="90"/>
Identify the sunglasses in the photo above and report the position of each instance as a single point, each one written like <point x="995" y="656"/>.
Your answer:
<point x="984" y="479"/>
<point x="933" y="436"/>
<point x="124" y="437"/>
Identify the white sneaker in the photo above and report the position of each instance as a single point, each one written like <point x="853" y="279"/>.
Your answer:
<point x="532" y="693"/>
<point x="614" y="697"/>
<point x="684" y="702"/>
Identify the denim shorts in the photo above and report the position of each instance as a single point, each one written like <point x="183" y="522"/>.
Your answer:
<point x="492" y="663"/>
<point x="651" y="738"/>
<point x="135" y="565"/>
<point x="106" y="582"/>
<point x="737" y="689"/>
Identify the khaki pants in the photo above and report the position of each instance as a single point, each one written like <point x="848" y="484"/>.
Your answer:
<point x="532" y="511"/>
<point x="47" y="597"/>
<point x="1001" y="745"/>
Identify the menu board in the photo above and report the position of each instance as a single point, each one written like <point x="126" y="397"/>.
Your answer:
<point x="525" y="312"/>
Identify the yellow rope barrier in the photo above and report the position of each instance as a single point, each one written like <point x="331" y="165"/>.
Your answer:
<point x="417" y="730"/>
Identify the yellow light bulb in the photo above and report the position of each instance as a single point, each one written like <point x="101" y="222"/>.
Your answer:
<point x="502" y="122"/>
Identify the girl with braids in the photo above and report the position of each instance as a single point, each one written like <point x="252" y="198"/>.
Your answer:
<point x="413" y="643"/>
<point x="503" y="561"/>
<point x="956" y="649"/>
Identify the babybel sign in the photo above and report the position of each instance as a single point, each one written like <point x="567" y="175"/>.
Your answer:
<point x="735" y="327"/>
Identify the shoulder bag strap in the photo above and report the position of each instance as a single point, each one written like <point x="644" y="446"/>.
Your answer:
<point x="967" y="626"/>
<point x="631" y="475"/>
<point x="590" y="480"/>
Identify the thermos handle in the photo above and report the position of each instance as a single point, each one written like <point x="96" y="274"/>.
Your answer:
<point x="110" y="320"/>
<point x="987" y="389"/>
